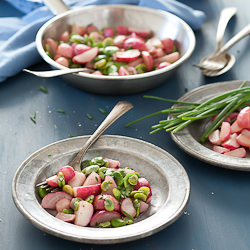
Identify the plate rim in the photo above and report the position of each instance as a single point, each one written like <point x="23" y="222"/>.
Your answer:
<point x="178" y="212"/>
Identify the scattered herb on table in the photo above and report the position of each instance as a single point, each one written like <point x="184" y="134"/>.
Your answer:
<point x="89" y="116"/>
<point x="187" y="112"/>
<point x="103" y="111"/>
<point x="61" y="111"/>
<point x="49" y="154"/>
<point x="43" y="89"/>
<point x="33" y="117"/>
<point x="72" y="136"/>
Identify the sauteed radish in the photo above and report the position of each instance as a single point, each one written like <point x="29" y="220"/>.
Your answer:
<point x="107" y="195"/>
<point x="112" y="51"/>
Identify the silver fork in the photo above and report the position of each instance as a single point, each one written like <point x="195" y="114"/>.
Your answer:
<point x="119" y="109"/>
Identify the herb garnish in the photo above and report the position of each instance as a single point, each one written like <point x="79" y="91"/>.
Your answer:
<point x="43" y="89"/>
<point x="33" y="117"/>
<point x="61" y="111"/>
<point x="103" y="111"/>
<point x="89" y="116"/>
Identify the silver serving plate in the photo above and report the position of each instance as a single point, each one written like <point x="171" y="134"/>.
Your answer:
<point x="162" y="23"/>
<point x="169" y="182"/>
<point x="188" y="138"/>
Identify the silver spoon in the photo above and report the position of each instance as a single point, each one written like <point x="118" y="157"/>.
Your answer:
<point x="58" y="72"/>
<point x="222" y="53"/>
<point x="225" y="15"/>
<point x="119" y="109"/>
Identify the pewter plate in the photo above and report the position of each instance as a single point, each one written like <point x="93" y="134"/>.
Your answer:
<point x="188" y="138"/>
<point x="168" y="179"/>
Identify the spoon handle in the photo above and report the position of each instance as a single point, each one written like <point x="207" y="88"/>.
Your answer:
<point x="244" y="32"/>
<point x="56" y="6"/>
<point x="120" y="108"/>
<point x="225" y="15"/>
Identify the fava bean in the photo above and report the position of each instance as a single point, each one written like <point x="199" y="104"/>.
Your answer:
<point x="136" y="204"/>
<point x="144" y="190"/>
<point x="68" y="189"/>
<point x="117" y="194"/>
<point x="109" y="204"/>
<point x="117" y="222"/>
<point x="88" y="170"/>
<point x="118" y="178"/>
<point x="68" y="211"/>
<point x="108" y="42"/>
<point x="140" y="196"/>
<point x="75" y="38"/>
<point x="90" y="199"/>
<point x="99" y="64"/>
<point x="98" y="160"/>
<point x="76" y="203"/>
<point x="132" y="180"/>
<point x="105" y="224"/>
<point x="105" y="185"/>
<point x="110" y="50"/>
<point x="61" y="180"/>
<point x="42" y="192"/>
<point x="128" y="221"/>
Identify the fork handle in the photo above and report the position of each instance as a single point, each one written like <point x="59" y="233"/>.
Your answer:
<point x="225" y="15"/>
<point x="120" y="108"/>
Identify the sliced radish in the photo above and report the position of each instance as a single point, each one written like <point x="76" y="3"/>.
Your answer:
<point x="154" y="42"/>
<point x="108" y="32"/>
<point x="52" y="45"/>
<point x="63" y="203"/>
<point x="168" y="45"/>
<point x="80" y="30"/>
<point x="85" y="191"/>
<point x="243" y="140"/>
<point x="99" y="202"/>
<point x="214" y="137"/>
<point x="80" y="48"/>
<point x="113" y="185"/>
<point x="97" y="36"/>
<point x="77" y="180"/>
<point x="245" y="132"/>
<point x="119" y="41"/>
<point x="163" y="65"/>
<point x="143" y="207"/>
<point x="143" y="182"/>
<point x="52" y="181"/>
<point x="131" y="70"/>
<point x="127" y="56"/>
<point x="68" y="173"/>
<point x="239" y="152"/>
<point x="91" y="28"/>
<point x="136" y="62"/>
<point x="87" y="56"/>
<point x="64" y="36"/>
<point x="135" y="43"/>
<point x="92" y="179"/>
<point x="158" y="53"/>
<point x="123" y="71"/>
<point x="225" y="131"/>
<point x="235" y="128"/>
<point x="173" y="57"/>
<point x="63" y="61"/>
<point x="50" y="200"/>
<point x="231" y="143"/>
<point x="97" y="72"/>
<point x="84" y="213"/>
<point x="103" y="216"/>
<point x="243" y="118"/>
<point x="233" y="116"/>
<point x="148" y="60"/>
<point x="122" y="30"/>
<point x="66" y="217"/>
<point x="220" y="150"/>
<point x="144" y="33"/>
<point x="128" y="207"/>
<point x="65" y="50"/>
<point x="113" y="163"/>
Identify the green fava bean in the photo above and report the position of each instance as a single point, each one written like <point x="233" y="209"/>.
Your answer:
<point x="112" y="69"/>
<point x="144" y="190"/>
<point x="105" y="224"/>
<point x="90" y="199"/>
<point x="97" y="160"/>
<point x="61" y="180"/>
<point x="88" y="170"/>
<point x="118" y="178"/>
<point x="123" y="173"/>
<point x="110" y="50"/>
<point x="68" y="211"/>
<point x="117" y="222"/>
<point x="98" y="58"/>
<point x="42" y="192"/>
<point x="141" y="68"/>
<point x="109" y="204"/>
<point x="105" y="185"/>
<point x="132" y="180"/>
<point x="76" y="203"/>
<point x="84" y="164"/>
<point x="99" y="64"/>
<point x="128" y="221"/>
<point x="127" y="185"/>
<point x="136" y="204"/>
<point x="108" y="42"/>
<point x="140" y="196"/>
<point x="75" y="38"/>
<point x="117" y="194"/>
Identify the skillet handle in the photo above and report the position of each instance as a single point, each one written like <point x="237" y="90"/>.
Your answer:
<point x="56" y="6"/>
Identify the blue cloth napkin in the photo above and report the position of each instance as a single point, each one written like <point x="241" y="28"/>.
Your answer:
<point x="17" y="35"/>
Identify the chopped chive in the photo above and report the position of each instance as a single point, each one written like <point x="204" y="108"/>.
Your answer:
<point x="49" y="154"/>
<point x="89" y="116"/>
<point x="72" y="135"/>
<point x="43" y="89"/>
<point x="128" y="215"/>
<point x="103" y="111"/>
<point x="33" y="117"/>
<point x="61" y="111"/>
<point x="96" y="178"/>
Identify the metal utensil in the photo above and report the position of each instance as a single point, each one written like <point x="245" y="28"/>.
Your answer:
<point x="119" y="109"/>
<point x="228" y="57"/>
<point x="208" y="61"/>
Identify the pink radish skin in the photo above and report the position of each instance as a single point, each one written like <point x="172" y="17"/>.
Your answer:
<point x="131" y="70"/>
<point x="77" y="180"/>
<point x="68" y="173"/>
<point x="245" y="132"/>
<point x="113" y="185"/>
<point x="87" y="56"/>
<point x="144" y="33"/>
<point x="243" y="140"/>
<point x="92" y="179"/>
<point x="143" y="207"/>
<point x="235" y="128"/>
<point x="225" y="131"/>
<point x="108" y="32"/>
<point x="231" y="143"/>
<point x="63" y="61"/>
<point x="239" y="153"/>
<point x="97" y="72"/>
<point x="99" y="202"/>
<point x="122" y="30"/>
<point x="127" y="56"/>
<point x="220" y="150"/>
<point x="168" y="45"/>
<point x="52" y="45"/>
<point x="171" y="58"/>
<point x="148" y="60"/>
<point x="113" y="163"/>
<point x="102" y="216"/>
<point x="97" y="36"/>
<point x="85" y="191"/>
<point x="84" y="213"/>
<point x="80" y="30"/>
<point x="65" y="50"/>
<point x="163" y="65"/>
<point x="64" y="36"/>
<point x="214" y="137"/>
<point x="91" y="28"/>
<point x="129" y="171"/>
<point x="243" y="118"/>
<point x="128" y="207"/>
<point x="65" y="217"/>
<point x="119" y="40"/>
<point x="136" y="62"/>
<point x="80" y="48"/>
<point x="158" y="53"/>
<point x="52" y="181"/>
<point x="154" y="42"/>
<point x="50" y="200"/>
<point x="123" y="71"/>
<point x="135" y="43"/>
<point x="63" y="203"/>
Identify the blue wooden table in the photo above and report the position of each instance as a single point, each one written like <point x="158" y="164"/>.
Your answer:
<point x="218" y="213"/>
